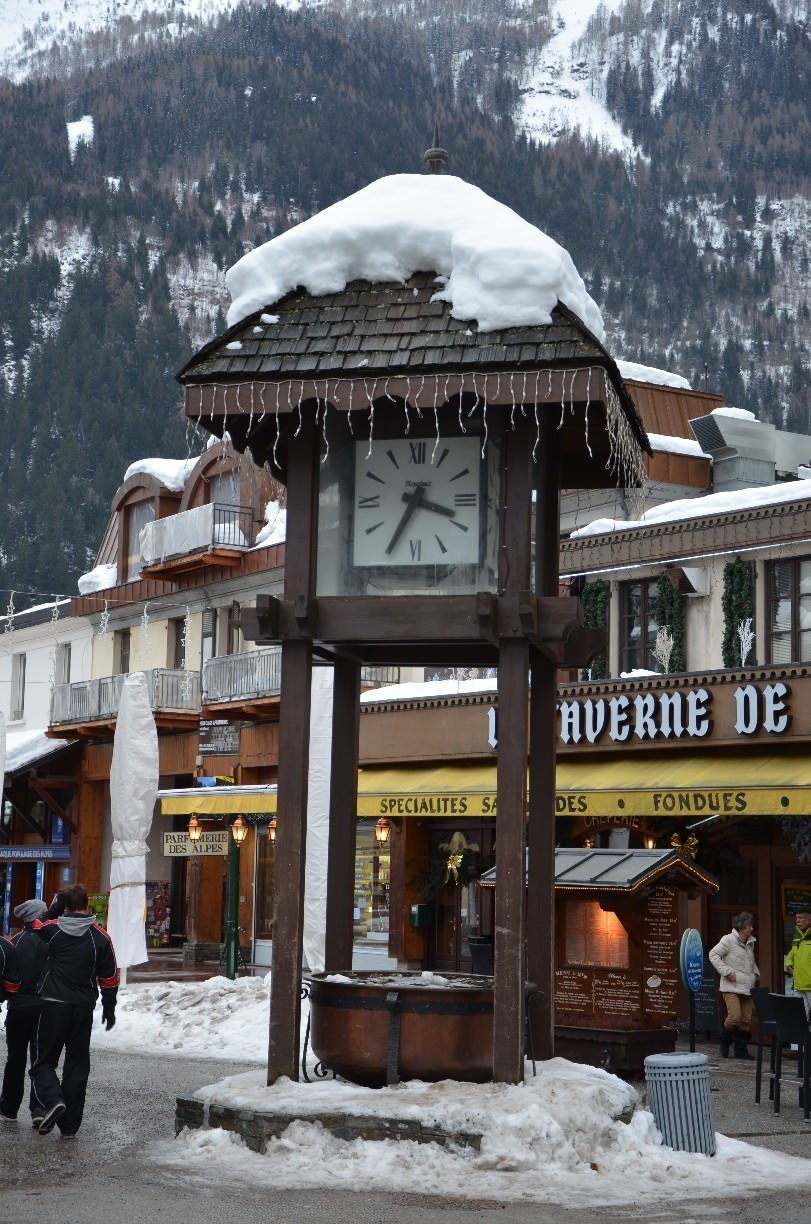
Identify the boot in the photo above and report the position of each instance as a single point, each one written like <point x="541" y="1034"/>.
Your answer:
<point x="741" y="1051"/>
<point x="726" y="1042"/>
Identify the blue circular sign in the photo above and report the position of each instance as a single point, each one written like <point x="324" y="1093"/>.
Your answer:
<point x="691" y="959"/>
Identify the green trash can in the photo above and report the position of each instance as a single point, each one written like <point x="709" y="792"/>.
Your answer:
<point x="679" y="1099"/>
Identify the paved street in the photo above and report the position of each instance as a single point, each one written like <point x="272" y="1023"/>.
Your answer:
<point x="108" y="1173"/>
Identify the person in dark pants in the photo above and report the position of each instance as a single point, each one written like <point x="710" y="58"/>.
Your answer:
<point x="23" y="1010"/>
<point x="9" y="974"/>
<point x="81" y="962"/>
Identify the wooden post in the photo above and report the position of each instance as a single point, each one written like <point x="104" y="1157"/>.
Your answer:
<point x="294" y="755"/>
<point x="511" y="772"/>
<point x="510" y="925"/>
<point x="342" y="816"/>
<point x="543" y="739"/>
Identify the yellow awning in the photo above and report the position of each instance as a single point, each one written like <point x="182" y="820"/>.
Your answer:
<point x="218" y="800"/>
<point x="645" y="784"/>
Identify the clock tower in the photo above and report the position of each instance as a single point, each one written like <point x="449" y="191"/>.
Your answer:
<point x="423" y="452"/>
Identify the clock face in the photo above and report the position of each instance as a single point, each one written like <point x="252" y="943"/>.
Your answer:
<point x="418" y="502"/>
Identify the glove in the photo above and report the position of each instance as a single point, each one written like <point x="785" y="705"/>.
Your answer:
<point x="108" y="1015"/>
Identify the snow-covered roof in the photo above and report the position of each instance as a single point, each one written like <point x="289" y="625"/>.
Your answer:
<point x="491" y="264"/>
<point x="25" y="748"/>
<point x="650" y="374"/>
<point x="171" y="473"/>
<point x="701" y="507"/>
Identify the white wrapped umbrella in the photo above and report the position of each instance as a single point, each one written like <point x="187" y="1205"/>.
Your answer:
<point x="133" y="789"/>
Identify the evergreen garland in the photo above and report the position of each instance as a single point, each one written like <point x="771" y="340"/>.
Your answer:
<point x="594" y="599"/>
<point x="670" y="614"/>
<point x="738" y="604"/>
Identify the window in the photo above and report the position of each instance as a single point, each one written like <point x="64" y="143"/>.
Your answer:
<point x="638" y="625"/>
<point x="137" y="516"/>
<point x="175" y="654"/>
<point x="208" y="647"/>
<point x="789" y="611"/>
<point x="17" y="687"/>
<point x="121" y="648"/>
<point x="62" y="669"/>
<point x="594" y="936"/>
<point x="232" y="630"/>
<point x="223" y="490"/>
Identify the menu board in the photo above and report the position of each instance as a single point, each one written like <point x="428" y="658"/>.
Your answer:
<point x="660" y="953"/>
<point x="573" y="990"/>
<point x="617" y="994"/>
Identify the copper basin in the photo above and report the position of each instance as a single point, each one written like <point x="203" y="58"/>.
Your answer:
<point x="375" y="1028"/>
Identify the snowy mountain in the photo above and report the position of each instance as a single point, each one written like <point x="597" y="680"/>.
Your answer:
<point x="146" y="147"/>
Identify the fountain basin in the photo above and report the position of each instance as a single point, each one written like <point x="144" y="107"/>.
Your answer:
<point x="377" y="1028"/>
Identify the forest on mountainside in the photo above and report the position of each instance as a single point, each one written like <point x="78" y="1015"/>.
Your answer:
<point x="112" y="254"/>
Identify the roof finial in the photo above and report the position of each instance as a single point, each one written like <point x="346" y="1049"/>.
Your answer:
<point x="436" y="156"/>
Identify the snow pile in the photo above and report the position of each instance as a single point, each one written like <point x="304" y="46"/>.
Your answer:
<point x="275" y="528"/>
<point x="492" y="266"/>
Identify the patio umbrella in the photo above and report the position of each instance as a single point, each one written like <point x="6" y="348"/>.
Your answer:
<point x="133" y="788"/>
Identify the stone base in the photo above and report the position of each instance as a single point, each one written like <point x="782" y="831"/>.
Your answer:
<point x="256" y="1129"/>
<point x="622" y="1051"/>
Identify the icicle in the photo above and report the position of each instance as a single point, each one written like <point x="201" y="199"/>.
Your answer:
<point x="144" y="634"/>
<point x="324" y="435"/>
<point x="9" y="626"/>
<point x="104" y="620"/>
<point x="185" y="687"/>
<point x="276" y="439"/>
<point x="250" y="414"/>
<point x="436" y="419"/>
<point x="484" y="423"/>
<point x="588" y="403"/>
<point x="417" y="403"/>
<point x="537" y="420"/>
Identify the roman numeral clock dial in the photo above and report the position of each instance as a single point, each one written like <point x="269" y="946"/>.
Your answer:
<point x="410" y="511"/>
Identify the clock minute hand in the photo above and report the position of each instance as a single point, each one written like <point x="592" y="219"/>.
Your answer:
<point x="414" y="500"/>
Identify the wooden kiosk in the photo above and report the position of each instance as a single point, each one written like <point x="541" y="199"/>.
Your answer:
<point x="423" y="461"/>
<point x="618" y="925"/>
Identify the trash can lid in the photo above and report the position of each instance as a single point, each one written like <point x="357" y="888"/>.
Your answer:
<point x="676" y="1061"/>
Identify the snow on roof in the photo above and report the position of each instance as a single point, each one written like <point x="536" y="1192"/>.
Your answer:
<point x="649" y="374"/>
<point x="423" y="690"/>
<point x="743" y="414"/>
<point x="99" y="579"/>
<point x="677" y="446"/>
<point x="491" y="264"/>
<point x="24" y="748"/>
<point x="171" y="473"/>
<point x="700" y="507"/>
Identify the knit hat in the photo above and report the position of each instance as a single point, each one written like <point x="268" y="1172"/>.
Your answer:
<point x="29" y="911"/>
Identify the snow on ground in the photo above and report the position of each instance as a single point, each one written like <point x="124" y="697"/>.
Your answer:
<point x="553" y="1139"/>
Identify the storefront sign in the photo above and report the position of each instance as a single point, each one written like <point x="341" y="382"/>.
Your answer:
<point x="180" y="845"/>
<point x="672" y="715"/>
<point x="218" y="737"/>
<point x="13" y="854"/>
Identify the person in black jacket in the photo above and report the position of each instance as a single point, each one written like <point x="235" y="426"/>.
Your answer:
<point x="9" y="973"/>
<point x="81" y="961"/>
<point x="22" y="1012"/>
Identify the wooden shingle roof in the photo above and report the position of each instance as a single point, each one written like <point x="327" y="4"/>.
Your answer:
<point x="380" y="329"/>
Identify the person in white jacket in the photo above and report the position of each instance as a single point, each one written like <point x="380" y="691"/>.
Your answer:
<point x="733" y="957"/>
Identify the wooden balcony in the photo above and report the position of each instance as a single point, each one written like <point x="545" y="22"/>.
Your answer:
<point x="90" y="707"/>
<point x="205" y="538"/>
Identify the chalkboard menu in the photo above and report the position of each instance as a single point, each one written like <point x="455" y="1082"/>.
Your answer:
<point x="660" y="953"/>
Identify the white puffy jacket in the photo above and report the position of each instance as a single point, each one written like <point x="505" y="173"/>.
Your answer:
<point x="732" y="955"/>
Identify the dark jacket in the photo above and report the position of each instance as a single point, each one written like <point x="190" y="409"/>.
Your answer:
<point x="9" y="973"/>
<point x="81" y="960"/>
<point x="31" y="956"/>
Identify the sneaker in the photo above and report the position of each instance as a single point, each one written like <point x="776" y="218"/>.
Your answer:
<point x="51" y="1118"/>
<point x="4" y="1117"/>
<point x="36" y="1122"/>
<point x="67" y="1134"/>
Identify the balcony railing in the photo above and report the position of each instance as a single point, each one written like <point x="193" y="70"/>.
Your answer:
<point x="257" y="673"/>
<point x="171" y="689"/>
<point x="193" y="531"/>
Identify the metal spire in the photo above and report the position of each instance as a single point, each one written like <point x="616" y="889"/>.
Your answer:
<point x="436" y="157"/>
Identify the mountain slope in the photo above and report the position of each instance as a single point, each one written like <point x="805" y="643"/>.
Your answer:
<point x="664" y="143"/>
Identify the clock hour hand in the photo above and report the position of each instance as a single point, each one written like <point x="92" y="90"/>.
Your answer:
<point x="436" y="508"/>
<point x="413" y="500"/>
